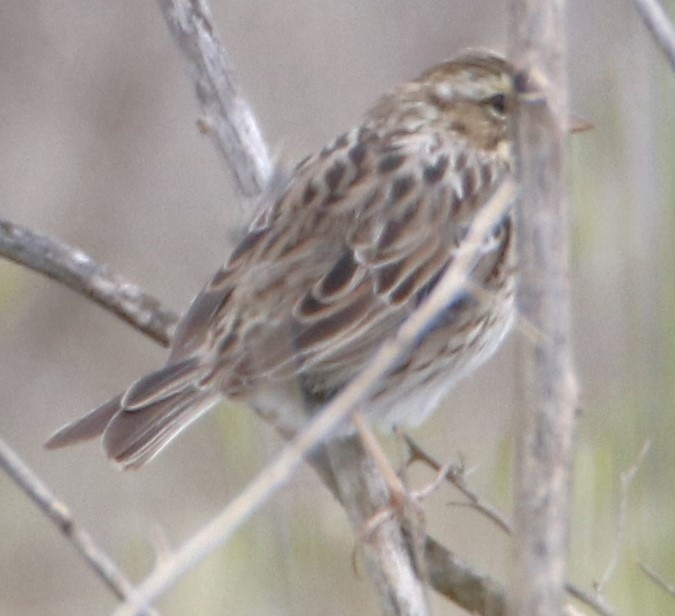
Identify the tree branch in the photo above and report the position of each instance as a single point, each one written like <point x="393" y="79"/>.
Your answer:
<point x="59" y="514"/>
<point x="227" y="117"/>
<point x="79" y="272"/>
<point x="456" y="580"/>
<point x="548" y="384"/>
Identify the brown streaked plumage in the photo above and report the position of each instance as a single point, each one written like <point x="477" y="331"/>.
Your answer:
<point x="333" y="264"/>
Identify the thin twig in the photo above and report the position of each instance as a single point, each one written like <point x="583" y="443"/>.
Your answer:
<point x="592" y="600"/>
<point x="657" y="578"/>
<point x="79" y="272"/>
<point x="456" y="476"/>
<point x="59" y="514"/>
<point x="627" y="478"/>
<point x="659" y="25"/>
<point x="228" y="118"/>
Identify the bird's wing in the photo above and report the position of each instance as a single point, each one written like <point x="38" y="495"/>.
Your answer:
<point x="358" y="237"/>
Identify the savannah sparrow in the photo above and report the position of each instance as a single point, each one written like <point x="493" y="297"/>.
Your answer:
<point x="336" y="261"/>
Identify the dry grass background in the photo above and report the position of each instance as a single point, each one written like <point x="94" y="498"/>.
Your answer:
<point x="99" y="147"/>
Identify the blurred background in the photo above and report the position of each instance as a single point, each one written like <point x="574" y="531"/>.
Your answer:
<point x="100" y="148"/>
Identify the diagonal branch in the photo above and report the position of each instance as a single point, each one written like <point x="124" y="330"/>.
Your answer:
<point x="659" y="25"/>
<point x="228" y="118"/>
<point x="79" y="272"/>
<point x="657" y="578"/>
<point x="59" y="514"/>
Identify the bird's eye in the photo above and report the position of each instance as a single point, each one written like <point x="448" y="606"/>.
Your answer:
<point x="497" y="104"/>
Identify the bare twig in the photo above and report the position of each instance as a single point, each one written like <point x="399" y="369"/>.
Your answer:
<point x="480" y="594"/>
<point x="627" y="478"/>
<point x="659" y="25"/>
<point x="658" y="579"/>
<point x="59" y="514"/>
<point x="548" y="385"/>
<point x="73" y="268"/>
<point x="456" y="476"/>
<point x="227" y="116"/>
<point x="592" y="600"/>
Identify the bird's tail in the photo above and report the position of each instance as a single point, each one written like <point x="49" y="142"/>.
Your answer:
<point x="138" y="424"/>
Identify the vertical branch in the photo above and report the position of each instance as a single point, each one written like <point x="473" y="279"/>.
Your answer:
<point x="548" y="388"/>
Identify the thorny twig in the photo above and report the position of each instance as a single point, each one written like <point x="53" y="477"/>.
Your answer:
<point x="456" y="475"/>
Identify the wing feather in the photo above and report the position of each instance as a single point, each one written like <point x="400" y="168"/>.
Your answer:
<point x="309" y="291"/>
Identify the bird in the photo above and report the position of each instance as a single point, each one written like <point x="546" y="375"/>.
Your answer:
<point x="334" y="261"/>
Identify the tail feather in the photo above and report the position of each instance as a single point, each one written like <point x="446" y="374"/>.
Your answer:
<point x="164" y="383"/>
<point x="92" y="425"/>
<point x="132" y="438"/>
<point x="140" y="423"/>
